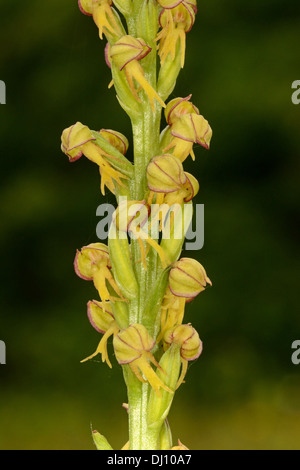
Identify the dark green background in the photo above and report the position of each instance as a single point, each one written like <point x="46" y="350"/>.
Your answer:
<point x="243" y="392"/>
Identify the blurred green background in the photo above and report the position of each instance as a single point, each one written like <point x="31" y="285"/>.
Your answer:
<point x="243" y="392"/>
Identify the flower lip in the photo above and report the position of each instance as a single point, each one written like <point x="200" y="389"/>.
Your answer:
<point x="82" y="9"/>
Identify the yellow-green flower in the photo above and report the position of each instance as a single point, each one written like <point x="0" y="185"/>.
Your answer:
<point x="165" y="174"/>
<point x="132" y="217"/>
<point x="102" y="319"/>
<point x="172" y="312"/>
<point x="187" y="339"/>
<point x="126" y="54"/>
<point x="78" y="140"/>
<point x="169" y="184"/>
<point x="133" y="346"/>
<point x="103" y="14"/>
<point x="187" y="278"/>
<point x="92" y="263"/>
<point x="175" y="23"/>
<point x="188" y="130"/>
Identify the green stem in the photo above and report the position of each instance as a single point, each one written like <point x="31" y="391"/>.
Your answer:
<point x="146" y="139"/>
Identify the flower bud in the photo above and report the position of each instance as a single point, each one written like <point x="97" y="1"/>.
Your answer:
<point x="177" y="107"/>
<point x="165" y="174"/>
<point x="187" y="278"/>
<point x="187" y="338"/>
